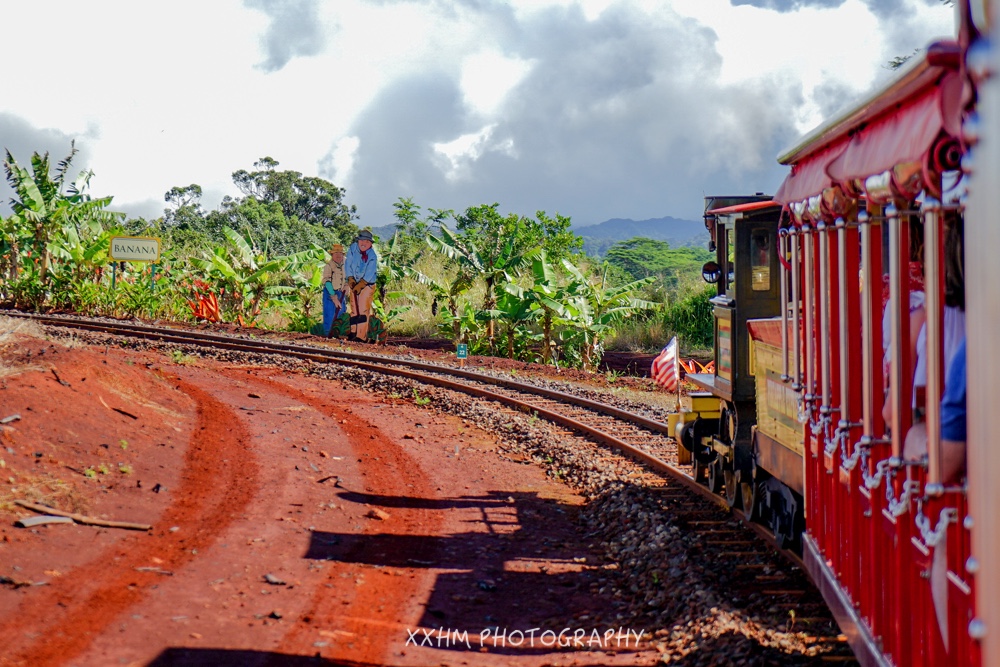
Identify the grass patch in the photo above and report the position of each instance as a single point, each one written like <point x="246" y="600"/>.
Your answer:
<point x="10" y="328"/>
<point x="178" y="357"/>
<point x="41" y="489"/>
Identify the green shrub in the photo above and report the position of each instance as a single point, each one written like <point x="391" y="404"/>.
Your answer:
<point x="690" y="319"/>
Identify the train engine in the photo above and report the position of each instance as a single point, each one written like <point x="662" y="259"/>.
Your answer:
<point x="741" y="428"/>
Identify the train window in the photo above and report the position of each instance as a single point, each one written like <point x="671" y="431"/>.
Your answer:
<point x="760" y="260"/>
<point x="730" y="259"/>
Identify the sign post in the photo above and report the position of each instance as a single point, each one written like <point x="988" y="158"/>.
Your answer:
<point x="134" y="249"/>
<point x="462" y="352"/>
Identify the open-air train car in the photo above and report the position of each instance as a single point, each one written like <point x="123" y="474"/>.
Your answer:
<point x="830" y="297"/>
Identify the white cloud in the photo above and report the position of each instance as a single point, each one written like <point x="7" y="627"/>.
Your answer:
<point x="342" y="159"/>
<point x="600" y="98"/>
<point x="460" y="153"/>
<point x="592" y="9"/>
<point x="487" y="77"/>
<point x="844" y="46"/>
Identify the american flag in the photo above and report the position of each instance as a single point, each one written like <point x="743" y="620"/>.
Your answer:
<point x="666" y="367"/>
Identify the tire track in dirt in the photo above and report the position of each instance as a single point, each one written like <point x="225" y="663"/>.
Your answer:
<point x="219" y="479"/>
<point x="388" y="470"/>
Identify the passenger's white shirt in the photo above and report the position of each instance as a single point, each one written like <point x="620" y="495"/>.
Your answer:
<point x="954" y="332"/>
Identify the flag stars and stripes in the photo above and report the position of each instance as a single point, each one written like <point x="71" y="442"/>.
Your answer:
<point x="665" y="370"/>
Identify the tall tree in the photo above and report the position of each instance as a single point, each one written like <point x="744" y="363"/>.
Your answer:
<point x="487" y="227"/>
<point x="188" y="195"/>
<point x="412" y="227"/>
<point x="184" y="210"/>
<point x="308" y="198"/>
<point x="641" y="257"/>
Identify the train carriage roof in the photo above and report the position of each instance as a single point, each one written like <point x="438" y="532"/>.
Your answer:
<point x="898" y="123"/>
<point x="743" y="208"/>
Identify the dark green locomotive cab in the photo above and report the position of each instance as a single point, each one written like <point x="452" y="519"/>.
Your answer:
<point x="744" y="232"/>
<point x="715" y="424"/>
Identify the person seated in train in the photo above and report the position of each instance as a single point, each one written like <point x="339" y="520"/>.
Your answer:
<point x="953" y="400"/>
<point x="953" y="317"/>
<point x="953" y="423"/>
<point x="954" y="309"/>
<point x="917" y="319"/>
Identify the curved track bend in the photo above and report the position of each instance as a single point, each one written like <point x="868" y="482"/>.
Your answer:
<point x="637" y="436"/>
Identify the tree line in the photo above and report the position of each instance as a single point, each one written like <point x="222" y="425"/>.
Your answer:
<point x="505" y="284"/>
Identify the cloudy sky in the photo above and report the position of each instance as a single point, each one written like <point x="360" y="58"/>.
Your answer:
<point x="590" y="108"/>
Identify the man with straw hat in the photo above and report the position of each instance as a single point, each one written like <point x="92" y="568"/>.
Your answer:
<point x="361" y="267"/>
<point x="334" y="289"/>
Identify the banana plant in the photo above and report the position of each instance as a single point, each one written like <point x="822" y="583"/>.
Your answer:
<point x="496" y="267"/>
<point x="466" y="325"/>
<point x="450" y="295"/>
<point x="77" y="268"/>
<point x="44" y="205"/>
<point x="599" y="308"/>
<point x="307" y="284"/>
<point x="515" y="313"/>
<point x="246" y="277"/>
<point x="552" y="301"/>
<point x="385" y="317"/>
<point x="393" y="266"/>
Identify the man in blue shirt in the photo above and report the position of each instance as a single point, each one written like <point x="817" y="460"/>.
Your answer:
<point x="361" y="269"/>
<point x="953" y="424"/>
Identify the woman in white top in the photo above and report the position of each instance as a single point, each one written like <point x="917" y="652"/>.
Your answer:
<point x="954" y="308"/>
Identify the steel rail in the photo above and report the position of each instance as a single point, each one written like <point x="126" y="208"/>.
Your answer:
<point x="417" y="371"/>
<point x="162" y="333"/>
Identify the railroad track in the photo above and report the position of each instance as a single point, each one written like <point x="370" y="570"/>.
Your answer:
<point x="637" y="436"/>
<point x="751" y="573"/>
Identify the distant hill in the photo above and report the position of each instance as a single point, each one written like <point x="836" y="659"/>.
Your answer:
<point x="384" y="233"/>
<point x="598" y="238"/>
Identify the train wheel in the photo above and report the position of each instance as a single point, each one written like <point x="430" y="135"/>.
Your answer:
<point x="748" y="495"/>
<point x="785" y="515"/>
<point x="700" y="470"/>
<point x="715" y="475"/>
<point x="732" y="488"/>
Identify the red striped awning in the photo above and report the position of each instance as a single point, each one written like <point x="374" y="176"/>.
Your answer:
<point x="903" y="135"/>
<point x="809" y="176"/>
<point x="743" y="208"/>
<point x="895" y="125"/>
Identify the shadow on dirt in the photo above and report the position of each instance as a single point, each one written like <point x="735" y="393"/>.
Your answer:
<point x="524" y="567"/>
<point x="217" y="657"/>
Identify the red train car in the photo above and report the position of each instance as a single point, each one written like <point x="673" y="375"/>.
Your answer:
<point x="843" y="431"/>
<point x="877" y="198"/>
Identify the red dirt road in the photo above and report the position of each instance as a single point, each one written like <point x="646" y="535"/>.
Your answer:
<point x="294" y="518"/>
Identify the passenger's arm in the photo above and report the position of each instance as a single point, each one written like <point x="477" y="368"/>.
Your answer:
<point x="952" y="460"/>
